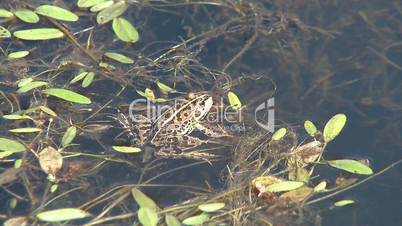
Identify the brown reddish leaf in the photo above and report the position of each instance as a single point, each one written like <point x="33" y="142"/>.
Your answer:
<point x="50" y="160"/>
<point x="16" y="221"/>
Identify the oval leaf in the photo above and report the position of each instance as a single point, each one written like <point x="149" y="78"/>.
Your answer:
<point x="67" y="95"/>
<point x="88" y="3"/>
<point x="320" y="187"/>
<point x="56" y="12"/>
<point x="196" y="220"/>
<point x="16" y="117"/>
<point x="111" y="12"/>
<point x="124" y="30"/>
<point x="6" y="13"/>
<point x="68" y="136"/>
<point x="88" y="79"/>
<point x="78" y="77"/>
<point x="143" y="200"/>
<point x="50" y="160"/>
<point x="234" y="101"/>
<point x="19" y="54"/>
<point x="4" y="33"/>
<point x="165" y="88"/>
<point x="119" y="58"/>
<point x="39" y="34"/>
<point x="284" y="186"/>
<point x="279" y="134"/>
<point x="211" y="207"/>
<point x="100" y="6"/>
<point x="27" y="16"/>
<point x="148" y="217"/>
<point x="171" y="220"/>
<point x="12" y="146"/>
<point x="47" y="111"/>
<point x="344" y="202"/>
<point x="63" y="214"/>
<point x="24" y="81"/>
<point x="310" y="128"/>
<point x="25" y="130"/>
<point x="351" y="166"/>
<point x="334" y="126"/>
<point x="32" y="85"/>
<point x="126" y="149"/>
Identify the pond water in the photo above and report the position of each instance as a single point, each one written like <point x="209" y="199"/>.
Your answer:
<point x="315" y="58"/>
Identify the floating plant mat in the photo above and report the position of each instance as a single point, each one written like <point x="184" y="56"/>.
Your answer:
<point x="189" y="113"/>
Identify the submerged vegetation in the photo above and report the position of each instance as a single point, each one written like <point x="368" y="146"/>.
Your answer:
<point x="70" y="68"/>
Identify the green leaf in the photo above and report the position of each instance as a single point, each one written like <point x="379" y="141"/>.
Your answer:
<point x="111" y="12"/>
<point x="4" y="33"/>
<point x="211" y="207"/>
<point x="32" y="85"/>
<point x="234" y="101"/>
<point x="196" y="220"/>
<point x="165" y="88"/>
<point x="56" y="12"/>
<point x="100" y="6"/>
<point x="320" y="187"/>
<point x="88" y="79"/>
<point x="344" y="202"/>
<point x="284" y="186"/>
<point x="119" y="58"/>
<point x="351" y="166"/>
<point x="88" y="3"/>
<point x="78" y="77"/>
<point x="6" y="13"/>
<point x="25" y="130"/>
<point x="16" y="117"/>
<point x="148" y="217"/>
<point x="64" y="214"/>
<point x="13" y="146"/>
<point x="143" y="200"/>
<point x="24" y="81"/>
<point x="48" y="111"/>
<point x="17" y="55"/>
<point x="279" y="134"/>
<point x="124" y="30"/>
<point x="27" y="16"/>
<point x="148" y="93"/>
<point x="107" y="66"/>
<point x="171" y="220"/>
<point x="67" y="95"/>
<point x="18" y="163"/>
<point x="68" y="136"/>
<point x="334" y="126"/>
<point x="310" y="128"/>
<point x="126" y="149"/>
<point x="39" y="34"/>
<point x="4" y="154"/>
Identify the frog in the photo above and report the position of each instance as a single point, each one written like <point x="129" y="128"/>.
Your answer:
<point x="171" y="133"/>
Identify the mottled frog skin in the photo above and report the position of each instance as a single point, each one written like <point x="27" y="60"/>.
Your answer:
<point x="171" y="132"/>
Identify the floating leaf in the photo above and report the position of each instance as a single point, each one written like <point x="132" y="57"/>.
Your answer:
<point x="88" y="3"/>
<point x="39" y="34"/>
<point x="6" y="13"/>
<point x="196" y="220"/>
<point x="148" y="93"/>
<point x="310" y="128"/>
<point x="107" y="66"/>
<point x="100" y="6"/>
<point x="119" y="58"/>
<point x="143" y="200"/>
<point x="88" y="79"/>
<point x="211" y="207"/>
<point x="67" y="95"/>
<point x="54" y="188"/>
<point x="25" y="130"/>
<point x="16" y="117"/>
<point x="29" y="86"/>
<point x="27" y="16"/>
<point x="24" y="81"/>
<point x="171" y="220"/>
<point x="124" y="30"/>
<point x="284" y="186"/>
<point x="351" y="166"/>
<point x="47" y="111"/>
<point x="11" y="145"/>
<point x="279" y="134"/>
<point x="50" y="160"/>
<point x="126" y="149"/>
<point x="111" y="12"/>
<point x="344" y="202"/>
<point x="78" y="77"/>
<point x="148" y="217"/>
<point x="334" y="126"/>
<point x="4" y="33"/>
<point x="234" y="100"/>
<point x="18" y="163"/>
<point x="165" y="88"/>
<point x="17" y="55"/>
<point x="320" y="187"/>
<point x="64" y="214"/>
<point x="56" y="12"/>
<point x="68" y="136"/>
